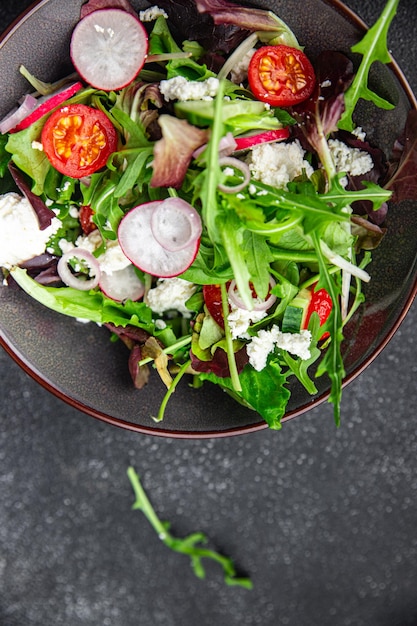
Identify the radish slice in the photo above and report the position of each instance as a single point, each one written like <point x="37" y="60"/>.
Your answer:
<point x="258" y="305"/>
<point x="70" y="279"/>
<point x="175" y="224"/>
<point x="268" y="136"/>
<point x="109" y="48"/>
<point x="122" y="285"/>
<point x="46" y="106"/>
<point x="143" y="250"/>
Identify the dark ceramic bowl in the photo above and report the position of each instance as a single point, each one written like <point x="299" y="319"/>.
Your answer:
<point x="79" y="364"/>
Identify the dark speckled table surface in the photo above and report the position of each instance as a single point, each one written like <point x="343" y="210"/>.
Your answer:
<point x="324" y="520"/>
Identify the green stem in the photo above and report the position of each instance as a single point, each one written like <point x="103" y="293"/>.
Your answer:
<point x="234" y="375"/>
<point x="181" y="343"/>
<point x="171" y="390"/>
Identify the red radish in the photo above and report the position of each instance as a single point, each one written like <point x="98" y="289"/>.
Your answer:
<point x="267" y="136"/>
<point x="122" y="285"/>
<point x="109" y="48"/>
<point x="48" y="105"/>
<point x="143" y="250"/>
<point x="175" y="224"/>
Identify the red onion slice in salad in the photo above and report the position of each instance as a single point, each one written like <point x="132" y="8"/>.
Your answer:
<point x="175" y="224"/>
<point x="16" y="116"/>
<point x="258" y="305"/>
<point x="241" y="167"/>
<point x="72" y="280"/>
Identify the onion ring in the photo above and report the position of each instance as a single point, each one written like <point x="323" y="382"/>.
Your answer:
<point x="70" y="279"/>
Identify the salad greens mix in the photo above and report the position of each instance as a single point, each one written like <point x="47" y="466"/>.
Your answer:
<point x="223" y="231"/>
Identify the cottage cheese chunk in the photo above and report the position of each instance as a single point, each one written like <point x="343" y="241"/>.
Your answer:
<point x="151" y="14"/>
<point x="20" y="236"/>
<point x="266" y="341"/>
<point x="179" y="88"/>
<point x="277" y="164"/>
<point x="170" y="294"/>
<point x="350" y="160"/>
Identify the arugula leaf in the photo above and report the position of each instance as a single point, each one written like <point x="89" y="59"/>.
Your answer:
<point x="192" y="545"/>
<point x="373" y="47"/>
<point x="332" y="362"/>
<point x="263" y="391"/>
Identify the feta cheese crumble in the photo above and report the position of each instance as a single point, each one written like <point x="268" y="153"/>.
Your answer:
<point x="170" y="294"/>
<point x="179" y="88"/>
<point x="278" y="163"/>
<point x="240" y="71"/>
<point x="266" y="341"/>
<point x="350" y="160"/>
<point x="151" y="14"/>
<point x="20" y="236"/>
<point x="240" y="319"/>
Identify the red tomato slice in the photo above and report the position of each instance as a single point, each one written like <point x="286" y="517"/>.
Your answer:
<point x="78" y="140"/>
<point x="85" y="217"/>
<point x="213" y="300"/>
<point x="281" y="76"/>
<point x="320" y="303"/>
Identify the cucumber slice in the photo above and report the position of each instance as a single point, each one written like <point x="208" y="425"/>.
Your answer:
<point x="296" y="312"/>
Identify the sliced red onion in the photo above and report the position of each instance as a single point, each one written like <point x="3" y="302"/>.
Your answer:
<point x="175" y="224"/>
<point x="70" y="279"/>
<point x="227" y="145"/>
<point x="122" y="285"/>
<point x="258" y="305"/>
<point x="14" y="117"/>
<point x="239" y="165"/>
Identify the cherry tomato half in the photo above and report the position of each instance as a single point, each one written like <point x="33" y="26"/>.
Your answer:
<point x="213" y="299"/>
<point x="281" y="75"/>
<point x="85" y="216"/>
<point x="78" y="140"/>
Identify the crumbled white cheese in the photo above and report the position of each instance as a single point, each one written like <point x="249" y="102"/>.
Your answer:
<point x="151" y="14"/>
<point x="179" y="88"/>
<point x="278" y="163"/>
<point x="240" y="71"/>
<point x="170" y="294"/>
<point x="266" y="341"/>
<point x="240" y="319"/>
<point x="350" y="160"/>
<point x="36" y="145"/>
<point x="20" y="236"/>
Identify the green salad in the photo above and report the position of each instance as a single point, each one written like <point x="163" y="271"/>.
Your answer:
<point x="203" y="193"/>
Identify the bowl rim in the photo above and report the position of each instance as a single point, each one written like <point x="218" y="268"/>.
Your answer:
<point x="29" y="369"/>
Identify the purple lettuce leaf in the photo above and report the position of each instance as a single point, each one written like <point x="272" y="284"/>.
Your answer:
<point x="43" y="269"/>
<point x="173" y="153"/>
<point x="186" y="22"/>
<point x="44" y="214"/>
<point x="219" y="365"/>
<point x="402" y="173"/>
